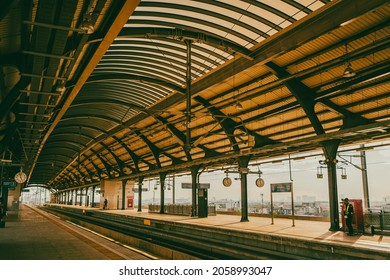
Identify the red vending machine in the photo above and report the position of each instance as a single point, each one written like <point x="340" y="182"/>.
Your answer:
<point x="130" y="202"/>
<point x="357" y="221"/>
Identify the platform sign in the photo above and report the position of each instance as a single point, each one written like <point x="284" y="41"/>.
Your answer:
<point x="200" y="186"/>
<point x="135" y="190"/>
<point x="10" y="184"/>
<point x="281" y="187"/>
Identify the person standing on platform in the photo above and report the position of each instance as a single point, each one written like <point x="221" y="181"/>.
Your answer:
<point x="348" y="215"/>
<point x="105" y="204"/>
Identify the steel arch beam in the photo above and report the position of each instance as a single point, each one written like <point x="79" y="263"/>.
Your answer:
<point x="217" y="42"/>
<point x="112" y="76"/>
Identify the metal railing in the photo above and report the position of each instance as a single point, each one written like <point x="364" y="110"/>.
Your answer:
<point x="377" y="219"/>
<point x="179" y="209"/>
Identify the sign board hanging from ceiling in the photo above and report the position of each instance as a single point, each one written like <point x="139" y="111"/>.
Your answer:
<point x="281" y="187"/>
<point x="200" y="186"/>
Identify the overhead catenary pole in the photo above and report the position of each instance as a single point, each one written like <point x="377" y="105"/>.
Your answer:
<point x="187" y="147"/>
<point x="364" y="177"/>
<point x="173" y="190"/>
<point x="188" y="96"/>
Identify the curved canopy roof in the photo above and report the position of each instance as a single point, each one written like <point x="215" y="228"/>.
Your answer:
<point x="160" y="86"/>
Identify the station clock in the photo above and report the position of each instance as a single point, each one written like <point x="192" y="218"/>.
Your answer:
<point x="20" y="177"/>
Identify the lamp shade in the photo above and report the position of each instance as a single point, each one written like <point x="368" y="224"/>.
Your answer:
<point x="87" y="27"/>
<point x="349" y="72"/>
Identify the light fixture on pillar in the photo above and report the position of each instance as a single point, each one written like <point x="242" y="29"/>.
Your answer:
<point x="348" y="71"/>
<point x="319" y="173"/>
<point x="156" y="185"/>
<point x="343" y="173"/>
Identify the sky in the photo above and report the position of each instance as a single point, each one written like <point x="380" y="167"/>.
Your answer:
<point x="304" y="176"/>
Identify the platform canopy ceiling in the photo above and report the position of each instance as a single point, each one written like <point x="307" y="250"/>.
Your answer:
<point x="99" y="89"/>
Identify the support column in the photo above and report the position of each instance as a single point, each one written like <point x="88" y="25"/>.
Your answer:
<point x="86" y="197"/>
<point x="330" y="151"/>
<point x="93" y="196"/>
<point x="194" y="183"/>
<point x="162" y="196"/>
<point x="140" y="183"/>
<point x="75" y="197"/>
<point x="243" y="170"/>
<point x="123" y="206"/>
<point x="81" y="196"/>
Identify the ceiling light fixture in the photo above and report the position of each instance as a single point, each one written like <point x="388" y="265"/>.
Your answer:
<point x="239" y="106"/>
<point x="61" y="87"/>
<point x="348" y="71"/>
<point x="86" y="25"/>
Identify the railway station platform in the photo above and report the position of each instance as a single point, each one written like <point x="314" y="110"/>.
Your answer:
<point x="18" y="240"/>
<point x="304" y="231"/>
<point x="31" y="234"/>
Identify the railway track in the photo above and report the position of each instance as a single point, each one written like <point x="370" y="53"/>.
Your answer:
<point x="192" y="243"/>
